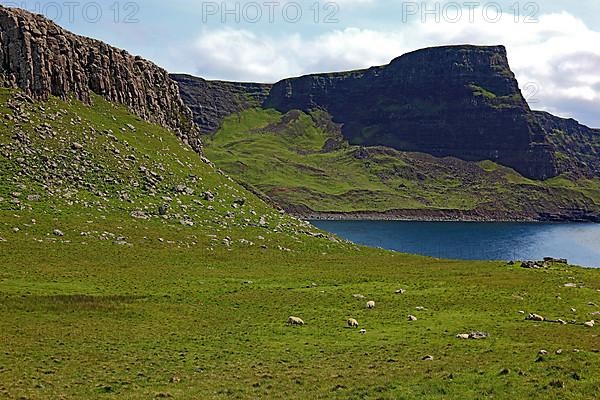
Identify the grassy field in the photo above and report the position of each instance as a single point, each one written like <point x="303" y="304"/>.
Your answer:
<point x="104" y="296"/>
<point x="283" y="157"/>
<point x="83" y="318"/>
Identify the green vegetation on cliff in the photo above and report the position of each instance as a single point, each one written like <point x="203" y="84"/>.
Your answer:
<point x="301" y="162"/>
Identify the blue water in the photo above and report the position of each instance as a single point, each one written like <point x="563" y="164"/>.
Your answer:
<point x="579" y="243"/>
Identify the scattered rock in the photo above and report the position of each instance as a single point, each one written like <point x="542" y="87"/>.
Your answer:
<point x="58" y="232"/>
<point x="543" y="352"/>
<point x="182" y="189"/>
<point x="358" y="296"/>
<point x="505" y="371"/>
<point x="77" y="146"/>
<point x="239" y="202"/>
<point x="412" y="318"/>
<point x="534" y="264"/>
<point x="427" y="358"/>
<point x="463" y="336"/>
<point x="361" y="154"/>
<point x="175" y="379"/>
<point x="400" y="291"/>
<point x="163" y="210"/>
<point x="208" y="196"/>
<point x="590" y="324"/>
<point x="363" y="331"/>
<point x="570" y="285"/>
<point x="139" y="214"/>
<point x="556" y="260"/>
<point x="559" y="351"/>
<point x="121" y="241"/>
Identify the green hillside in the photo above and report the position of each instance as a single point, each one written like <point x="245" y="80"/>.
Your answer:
<point x="301" y="162"/>
<point x="121" y="277"/>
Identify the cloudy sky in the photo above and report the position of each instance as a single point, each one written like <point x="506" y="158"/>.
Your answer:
<point x="553" y="45"/>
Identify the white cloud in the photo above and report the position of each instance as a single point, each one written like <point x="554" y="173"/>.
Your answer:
<point x="559" y="53"/>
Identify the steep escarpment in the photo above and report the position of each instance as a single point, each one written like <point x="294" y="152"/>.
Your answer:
<point x="45" y="60"/>
<point x="460" y="101"/>
<point x="212" y="101"/>
<point x="577" y="146"/>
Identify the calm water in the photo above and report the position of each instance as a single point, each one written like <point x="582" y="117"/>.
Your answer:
<point x="579" y="243"/>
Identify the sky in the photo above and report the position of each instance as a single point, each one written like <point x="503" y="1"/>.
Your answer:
<point x="553" y="45"/>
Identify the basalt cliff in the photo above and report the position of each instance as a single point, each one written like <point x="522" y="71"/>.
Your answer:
<point x="43" y="60"/>
<point x="459" y="101"/>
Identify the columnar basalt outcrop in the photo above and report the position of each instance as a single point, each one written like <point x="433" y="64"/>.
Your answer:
<point x="43" y="60"/>
<point x="460" y="101"/>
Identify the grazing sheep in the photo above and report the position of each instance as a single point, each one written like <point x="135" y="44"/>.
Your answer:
<point x="535" y="317"/>
<point x="352" y="323"/>
<point x="371" y="304"/>
<point x="295" y="321"/>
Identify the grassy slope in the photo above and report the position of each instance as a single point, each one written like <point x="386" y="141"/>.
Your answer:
<point x="85" y="318"/>
<point x="285" y="161"/>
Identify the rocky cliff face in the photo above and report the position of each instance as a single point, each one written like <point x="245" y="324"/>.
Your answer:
<point x="577" y="147"/>
<point x="460" y="101"/>
<point x="43" y="59"/>
<point x="211" y="101"/>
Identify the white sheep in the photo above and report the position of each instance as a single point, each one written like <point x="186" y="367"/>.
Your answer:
<point x="352" y="323"/>
<point x="295" y="321"/>
<point x="371" y="304"/>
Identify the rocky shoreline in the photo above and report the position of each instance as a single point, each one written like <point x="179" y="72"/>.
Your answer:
<point x="445" y="216"/>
